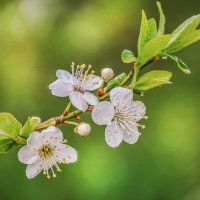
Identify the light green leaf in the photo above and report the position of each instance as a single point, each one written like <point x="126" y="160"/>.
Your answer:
<point x="153" y="48"/>
<point x="10" y="125"/>
<point x="29" y="126"/>
<point x="184" y="35"/>
<point x="148" y="31"/>
<point x="184" y="41"/>
<point x="128" y="56"/>
<point x="6" y="143"/>
<point x="161" y="28"/>
<point x="152" y="80"/>
<point x="180" y="63"/>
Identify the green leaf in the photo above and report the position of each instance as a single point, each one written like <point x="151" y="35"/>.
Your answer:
<point x="152" y="80"/>
<point x="148" y="31"/>
<point x="180" y="63"/>
<point x="184" y="35"/>
<point x="6" y="143"/>
<point x="29" y="126"/>
<point x="9" y="125"/>
<point x="115" y="82"/>
<point x="128" y="56"/>
<point x="153" y="48"/>
<point x="161" y="28"/>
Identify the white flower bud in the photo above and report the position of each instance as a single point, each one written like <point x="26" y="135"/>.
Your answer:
<point x="84" y="129"/>
<point x="107" y="73"/>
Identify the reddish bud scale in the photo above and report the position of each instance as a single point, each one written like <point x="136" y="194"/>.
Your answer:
<point x="100" y="91"/>
<point x="65" y="122"/>
<point x="77" y="117"/>
<point x="90" y="108"/>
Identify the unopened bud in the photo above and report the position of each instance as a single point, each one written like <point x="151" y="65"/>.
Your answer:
<point x="84" y="129"/>
<point x="107" y="73"/>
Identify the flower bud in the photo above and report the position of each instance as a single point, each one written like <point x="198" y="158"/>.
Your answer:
<point x="84" y="129"/>
<point x="107" y="73"/>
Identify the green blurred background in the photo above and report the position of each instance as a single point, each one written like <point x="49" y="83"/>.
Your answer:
<point x="37" y="37"/>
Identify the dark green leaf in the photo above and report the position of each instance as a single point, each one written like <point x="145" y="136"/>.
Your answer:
<point x="6" y="143"/>
<point x="152" y="80"/>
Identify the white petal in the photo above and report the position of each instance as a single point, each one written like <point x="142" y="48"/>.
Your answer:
<point x="131" y="133"/>
<point x="62" y="74"/>
<point x="78" y="101"/>
<point x="138" y="110"/>
<point x="65" y="154"/>
<point x="61" y="88"/>
<point x="52" y="135"/>
<point x="103" y="113"/>
<point x="121" y="96"/>
<point x="113" y="135"/>
<point x="34" y="141"/>
<point x="34" y="169"/>
<point x="90" y="98"/>
<point x="93" y="83"/>
<point x="26" y="156"/>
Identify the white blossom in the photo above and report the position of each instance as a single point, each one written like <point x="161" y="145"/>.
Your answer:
<point x="121" y="116"/>
<point x="84" y="129"/>
<point x="45" y="151"/>
<point x="107" y="73"/>
<point x="77" y="86"/>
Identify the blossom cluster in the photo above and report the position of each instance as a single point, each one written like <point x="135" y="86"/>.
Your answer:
<point x="46" y="150"/>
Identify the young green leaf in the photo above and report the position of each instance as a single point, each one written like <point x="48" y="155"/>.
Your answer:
<point x="115" y="82"/>
<point x="9" y="125"/>
<point x="128" y="56"/>
<point x="29" y="126"/>
<point x="152" y="80"/>
<point x="153" y="48"/>
<point x="148" y="31"/>
<point x="184" y="35"/>
<point x="161" y="28"/>
<point x="6" y="143"/>
<point x="180" y="63"/>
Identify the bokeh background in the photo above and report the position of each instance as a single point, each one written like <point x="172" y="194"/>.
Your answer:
<point x="37" y="37"/>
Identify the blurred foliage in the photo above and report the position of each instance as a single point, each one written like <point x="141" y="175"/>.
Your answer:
<point x="38" y="37"/>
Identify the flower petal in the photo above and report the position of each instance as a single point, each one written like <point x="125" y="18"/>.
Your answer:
<point x="61" y="88"/>
<point x="131" y="133"/>
<point x="114" y="134"/>
<point x="90" y="98"/>
<point x="26" y="156"/>
<point x="52" y="135"/>
<point x="138" y="110"/>
<point x="78" y="101"/>
<point x="34" y="142"/>
<point x="103" y="113"/>
<point x="33" y="170"/>
<point x="93" y="83"/>
<point x="65" y="154"/>
<point x="121" y="96"/>
<point x="63" y="74"/>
